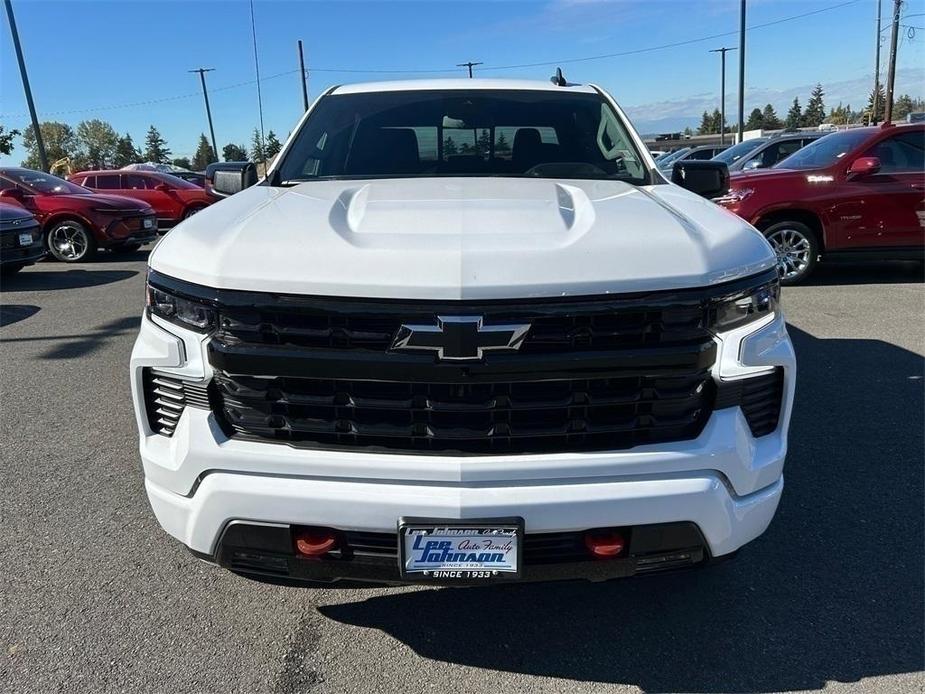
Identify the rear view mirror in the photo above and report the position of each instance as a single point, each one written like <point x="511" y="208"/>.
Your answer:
<point x="864" y="166"/>
<point x="707" y="178"/>
<point x="230" y="177"/>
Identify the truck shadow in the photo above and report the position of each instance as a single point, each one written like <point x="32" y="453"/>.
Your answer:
<point x="886" y="272"/>
<point x="832" y="592"/>
<point x="30" y="279"/>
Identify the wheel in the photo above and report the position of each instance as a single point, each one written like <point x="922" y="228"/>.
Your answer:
<point x="10" y="269"/>
<point x="190" y="211"/>
<point x="127" y="248"/>
<point x="797" y="250"/>
<point x="70" y="241"/>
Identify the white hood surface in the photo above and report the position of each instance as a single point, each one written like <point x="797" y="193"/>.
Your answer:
<point x="462" y="238"/>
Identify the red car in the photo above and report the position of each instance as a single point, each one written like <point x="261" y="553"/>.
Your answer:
<point x="76" y="221"/>
<point x="172" y="198"/>
<point x="857" y="194"/>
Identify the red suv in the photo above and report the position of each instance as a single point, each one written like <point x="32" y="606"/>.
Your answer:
<point x="855" y="194"/>
<point x="172" y="198"/>
<point x="76" y="221"/>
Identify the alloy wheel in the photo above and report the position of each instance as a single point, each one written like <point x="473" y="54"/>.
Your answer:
<point x="69" y="241"/>
<point x="793" y="251"/>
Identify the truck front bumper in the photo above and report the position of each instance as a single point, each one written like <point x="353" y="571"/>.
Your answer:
<point x="725" y="482"/>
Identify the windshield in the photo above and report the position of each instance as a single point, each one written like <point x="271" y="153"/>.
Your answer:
<point x="462" y="133"/>
<point x="44" y="183"/>
<point x="825" y="151"/>
<point x="176" y="182"/>
<point x="736" y="152"/>
<point x="664" y="161"/>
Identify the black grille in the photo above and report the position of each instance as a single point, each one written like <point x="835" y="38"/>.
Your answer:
<point x="603" y="324"/>
<point x="759" y="397"/>
<point x="166" y="396"/>
<point x="499" y="417"/>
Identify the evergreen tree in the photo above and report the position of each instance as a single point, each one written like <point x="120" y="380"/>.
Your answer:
<point x="126" y="152"/>
<point x="484" y="142"/>
<point x="903" y="107"/>
<point x="815" y="108"/>
<point x="258" y="152"/>
<point x="449" y="146"/>
<point x="881" y="106"/>
<point x="156" y="147"/>
<point x="717" y="120"/>
<point x="706" y="124"/>
<point x="204" y="154"/>
<point x="273" y="145"/>
<point x="769" y="119"/>
<point x="233" y="152"/>
<point x="502" y="144"/>
<point x="794" y="115"/>
<point x="755" y="120"/>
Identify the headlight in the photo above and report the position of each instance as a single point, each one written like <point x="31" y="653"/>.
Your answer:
<point x="734" y="196"/>
<point x="732" y="312"/>
<point x="180" y="311"/>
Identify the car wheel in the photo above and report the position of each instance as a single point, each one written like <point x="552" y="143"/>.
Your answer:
<point x="70" y="242"/>
<point x="10" y="269"/>
<point x="796" y="248"/>
<point x="127" y="248"/>
<point x="190" y="211"/>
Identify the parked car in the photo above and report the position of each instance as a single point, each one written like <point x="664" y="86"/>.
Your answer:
<point x="857" y="194"/>
<point x="75" y="220"/>
<point x="666" y="161"/>
<point x="20" y="239"/>
<point x="732" y="154"/>
<point x="195" y="177"/>
<point x="396" y="362"/>
<point x="172" y="198"/>
<point x="771" y="150"/>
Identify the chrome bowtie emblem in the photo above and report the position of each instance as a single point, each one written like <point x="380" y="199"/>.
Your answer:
<point x="460" y="337"/>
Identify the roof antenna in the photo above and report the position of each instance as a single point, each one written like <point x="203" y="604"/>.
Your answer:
<point x="558" y="79"/>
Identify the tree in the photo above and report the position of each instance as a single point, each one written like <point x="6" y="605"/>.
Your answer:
<point x="502" y="145"/>
<point x="6" y="140"/>
<point x="59" y="139"/>
<point x="881" y="106"/>
<point x="449" y="146"/>
<point x="182" y="162"/>
<point x="717" y="119"/>
<point x="156" y="147"/>
<point x="688" y="131"/>
<point x="126" y="153"/>
<point x="97" y="141"/>
<point x="794" y="115"/>
<point x="484" y="142"/>
<point x="769" y="119"/>
<point x="258" y="152"/>
<point x="273" y="145"/>
<point x="755" y="120"/>
<point x="903" y="107"/>
<point x="815" y="108"/>
<point x="204" y="154"/>
<point x="706" y="124"/>
<point x="233" y="152"/>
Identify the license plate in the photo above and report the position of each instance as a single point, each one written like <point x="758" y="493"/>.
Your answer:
<point x="450" y="550"/>
<point x="147" y="224"/>
<point x="25" y="239"/>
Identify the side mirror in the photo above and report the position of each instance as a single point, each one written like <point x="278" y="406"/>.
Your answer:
<point x="864" y="166"/>
<point x="163" y="188"/>
<point x="230" y="177"/>
<point x="707" y="178"/>
<point x="12" y="194"/>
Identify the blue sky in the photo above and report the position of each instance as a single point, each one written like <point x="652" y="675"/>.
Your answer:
<point x="100" y="59"/>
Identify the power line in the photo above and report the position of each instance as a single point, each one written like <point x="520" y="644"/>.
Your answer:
<point x="448" y="70"/>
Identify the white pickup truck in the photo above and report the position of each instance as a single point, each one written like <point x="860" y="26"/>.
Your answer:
<point x="464" y="331"/>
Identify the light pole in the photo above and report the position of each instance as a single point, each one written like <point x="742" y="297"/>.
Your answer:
<point x="205" y="95"/>
<point x="39" y="143"/>
<point x="741" y="128"/>
<point x="722" y="91"/>
<point x="891" y="73"/>
<point x="876" y="98"/>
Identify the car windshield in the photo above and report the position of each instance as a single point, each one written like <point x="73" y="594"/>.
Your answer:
<point x="736" y="152"/>
<point x="176" y="182"/>
<point x="825" y="151"/>
<point x="533" y="133"/>
<point x="671" y="158"/>
<point x="45" y="184"/>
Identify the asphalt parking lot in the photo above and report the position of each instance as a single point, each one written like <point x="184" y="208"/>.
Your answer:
<point x="96" y="598"/>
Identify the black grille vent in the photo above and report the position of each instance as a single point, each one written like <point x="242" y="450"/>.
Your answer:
<point x="468" y="418"/>
<point x="166" y="396"/>
<point x="759" y="397"/>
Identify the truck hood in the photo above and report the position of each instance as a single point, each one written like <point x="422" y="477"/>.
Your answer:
<point x="462" y="238"/>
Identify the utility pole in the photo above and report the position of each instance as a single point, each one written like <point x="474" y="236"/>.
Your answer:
<point x="304" y="77"/>
<point x="39" y="143"/>
<point x="469" y="65"/>
<point x="205" y="95"/>
<point x="876" y="98"/>
<point x="722" y="91"/>
<point x="891" y="74"/>
<point x="741" y="128"/>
